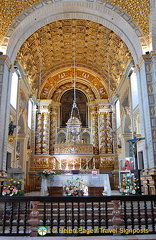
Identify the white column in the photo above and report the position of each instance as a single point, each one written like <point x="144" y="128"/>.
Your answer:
<point x="152" y="25"/>
<point x="5" y="90"/>
<point x="147" y="105"/>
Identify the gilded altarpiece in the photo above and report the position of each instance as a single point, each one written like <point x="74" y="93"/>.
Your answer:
<point x="68" y="155"/>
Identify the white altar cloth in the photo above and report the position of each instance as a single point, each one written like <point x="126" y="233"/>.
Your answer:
<point x="102" y="180"/>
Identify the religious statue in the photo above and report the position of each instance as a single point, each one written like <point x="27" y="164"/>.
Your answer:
<point x="11" y="128"/>
<point x="134" y="142"/>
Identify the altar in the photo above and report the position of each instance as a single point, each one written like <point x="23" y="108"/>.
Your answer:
<point x="99" y="181"/>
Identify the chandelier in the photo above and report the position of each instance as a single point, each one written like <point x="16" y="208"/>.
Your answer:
<point x="75" y="111"/>
<point x="39" y="86"/>
<point x="74" y="122"/>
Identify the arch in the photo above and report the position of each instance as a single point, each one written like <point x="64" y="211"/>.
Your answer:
<point x="49" y="93"/>
<point x="86" y="137"/>
<point x="66" y="106"/>
<point x="105" y="13"/>
<point x="61" y="138"/>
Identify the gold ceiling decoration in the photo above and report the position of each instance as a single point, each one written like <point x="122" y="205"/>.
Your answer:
<point x="57" y="84"/>
<point x="98" y="49"/>
<point x="137" y="9"/>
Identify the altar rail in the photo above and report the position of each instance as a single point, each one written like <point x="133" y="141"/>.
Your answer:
<point x="77" y="216"/>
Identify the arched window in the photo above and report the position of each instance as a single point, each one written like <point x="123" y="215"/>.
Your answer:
<point x="29" y="113"/>
<point x="118" y="113"/>
<point x="134" y="90"/>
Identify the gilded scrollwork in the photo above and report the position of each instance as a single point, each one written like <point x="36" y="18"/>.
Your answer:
<point x="137" y="10"/>
<point x="39" y="134"/>
<point x="94" y="123"/>
<point x="106" y="162"/>
<point x="45" y="134"/>
<point x="102" y="133"/>
<point x="73" y="149"/>
<point x="105" y="133"/>
<point x="56" y="81"/>
<point x="53" y="125"/>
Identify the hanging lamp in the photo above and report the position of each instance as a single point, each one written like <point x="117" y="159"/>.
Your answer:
<point x="74" y="122"/>
<point x="75" y="111"/>
<point x="39" y="86"/>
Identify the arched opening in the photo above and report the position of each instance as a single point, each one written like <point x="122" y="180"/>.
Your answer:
<point x="91" y="53"/>
<point x="61" y="138"/>
<point x="66" y="105"/>
<point x="86" y="137"/>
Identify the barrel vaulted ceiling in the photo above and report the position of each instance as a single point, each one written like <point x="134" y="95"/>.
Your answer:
<point x="100" y="56"/>
<point x="137" y="9"/>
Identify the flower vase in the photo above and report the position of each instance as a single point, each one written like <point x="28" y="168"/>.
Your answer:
<point x="44" y="187"/>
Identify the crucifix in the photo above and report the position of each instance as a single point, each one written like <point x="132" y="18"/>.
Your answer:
<point x="134" y="144"/>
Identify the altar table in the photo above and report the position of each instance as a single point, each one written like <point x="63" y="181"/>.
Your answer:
<point x="102" y="180"/>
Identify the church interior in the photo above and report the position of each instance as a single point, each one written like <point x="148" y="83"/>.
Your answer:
<point x="77" y="89"/>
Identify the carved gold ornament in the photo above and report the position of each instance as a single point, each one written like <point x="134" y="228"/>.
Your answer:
<point x="137" y="10"/>
<point x="95" y="47"/>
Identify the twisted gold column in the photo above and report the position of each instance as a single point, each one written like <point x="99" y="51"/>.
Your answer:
<point x="39" y="134"/>
<point x="94" y="123"/>
<point x="45" y="134"/>
<point x="109" y="133"/>
<point x="53" y="126"/>
<point x="102" y="133"/>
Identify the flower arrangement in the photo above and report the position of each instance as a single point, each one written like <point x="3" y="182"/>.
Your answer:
<point x="14" y="187"/>
<point x="47" y="173"/>
<point x="129" y="185"/>
<point x="74" y="187"/>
